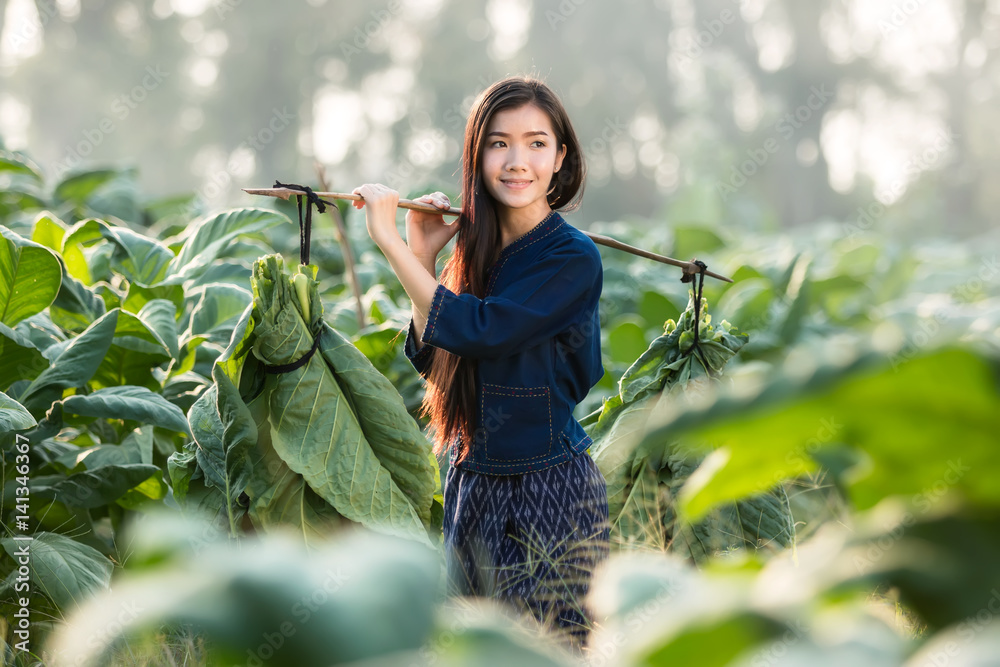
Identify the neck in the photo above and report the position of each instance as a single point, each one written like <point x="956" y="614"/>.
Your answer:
<point x="515" y="222"/>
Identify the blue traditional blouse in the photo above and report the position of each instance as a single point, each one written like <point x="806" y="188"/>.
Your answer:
<point x="537" y="342"/>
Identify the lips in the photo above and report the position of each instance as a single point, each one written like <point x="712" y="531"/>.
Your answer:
<point x="515" y="183"/>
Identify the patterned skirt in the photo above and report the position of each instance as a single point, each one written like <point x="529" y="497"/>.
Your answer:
<point x="531" y="540"/>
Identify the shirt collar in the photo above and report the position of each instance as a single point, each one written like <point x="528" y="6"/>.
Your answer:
<point x="545" y="225"/>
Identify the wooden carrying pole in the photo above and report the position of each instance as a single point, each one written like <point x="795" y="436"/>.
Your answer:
<point x="689" y="267"/>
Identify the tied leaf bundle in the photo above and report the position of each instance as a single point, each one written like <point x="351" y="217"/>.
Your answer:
<point x="308" y="445"/>
<point x="643" y="478"/>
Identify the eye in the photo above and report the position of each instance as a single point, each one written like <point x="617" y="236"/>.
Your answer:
<point x="539" y="141"/>
<point x="498" y="141"/>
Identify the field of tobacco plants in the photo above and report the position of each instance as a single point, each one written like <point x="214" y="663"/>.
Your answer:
<point x="801" y="470"/>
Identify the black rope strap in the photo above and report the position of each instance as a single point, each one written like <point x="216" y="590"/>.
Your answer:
<point x="699" y="280"/>
<point x="305" y="238"/>
<point x="305" y="225"/>
<point x="298" y="363"/>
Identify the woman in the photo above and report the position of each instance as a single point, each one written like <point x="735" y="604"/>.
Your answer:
<point x="509" y="342"/>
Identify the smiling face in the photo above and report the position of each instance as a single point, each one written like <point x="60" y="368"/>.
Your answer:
<point x="519" y="158"/>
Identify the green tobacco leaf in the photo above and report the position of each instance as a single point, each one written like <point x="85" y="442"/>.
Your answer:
<point x="13" y="416"/>
<point x="76" y="307"/>
<point x="394" y="436"/>
<point x="208" y="237"/>
<point x="98" y="487"/>
<point x="790" y="328"/>
<point x="626" y="339"/>
<point x="223" y="428"/>
<point x="78" y="187"/>
<point x="761" y="521"/>
<point x="40" y="331"/>
<point x="383" y="306"/>
<point x="281" y="498"/>
<point x="187" y="355"/>
<point x="289" y="502"/>
<point x="182" y="388"/>
<point x="19" y="358"/>
<point x="138" y="296"/>
<point x="216" y="310"/>
<point x="189" y="486"/>
<point x="222" y="271"/>
<point x="172" y="207"/>
<point x="896" y="414"/>
<point x="141" y="259"/>
<point x="747" y="302"/>
<point x="160" y="315"/>
<point x="137" y="447"/>
<point x="75" y="241"/>
<point x="132" y="403"/>
<point x="145" y="494"/>
<point x="29" y="278"/>
<point x="20" y="196"/>
<point x="48" y="230"/>
<point x="15" y="163"/>
<point x="783" y="282"/>
<point x="943" y="566"/>
<point x="660" y="611"/>
<point x="642" y="496"/>
<point x="118" y="199"/>
<point x="614" y="451"/>
<point x="136" y="349"/>
<point x="76" y="364"/>
<point x="644" y="476"/>
<point x="326" y="445"/>
<point x="239" y="432"/>
<point x="639" y="520"/>
<point x="235" y="594"/>
<point x="181" y="467"/>
<point x="859" y="262"/>
<point x="379" y="345"/>
<point x="656" y="308"/>
<point x="66" y="571"/>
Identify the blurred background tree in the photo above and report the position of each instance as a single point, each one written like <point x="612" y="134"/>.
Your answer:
<point x="761" y="114"/>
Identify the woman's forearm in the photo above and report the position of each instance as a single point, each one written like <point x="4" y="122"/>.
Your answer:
<point x="419" y="319"/>
<point x="417" y="277"/>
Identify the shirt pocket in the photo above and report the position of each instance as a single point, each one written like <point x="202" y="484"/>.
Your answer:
<point x="515" y="423"/>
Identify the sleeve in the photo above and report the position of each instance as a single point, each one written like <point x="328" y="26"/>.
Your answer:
<point x="548" y="297"/>
<point x="419" y="358"/>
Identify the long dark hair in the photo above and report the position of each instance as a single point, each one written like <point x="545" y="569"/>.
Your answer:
<point x="450" y="399"/>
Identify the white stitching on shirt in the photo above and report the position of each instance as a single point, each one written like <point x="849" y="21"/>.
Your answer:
<point x="496" y="269"/>
<point x="482" y="410"/>
<point x="435" y="309"/>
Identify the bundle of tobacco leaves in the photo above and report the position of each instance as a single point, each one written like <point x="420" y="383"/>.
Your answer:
<point x="643" y="478"/>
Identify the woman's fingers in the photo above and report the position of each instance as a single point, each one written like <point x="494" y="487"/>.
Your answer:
<point x="436" y="199"/>
<point x="440" y="200"/>
<point x="357" y="191"/>
<point x="371" y="192"/>
<point x="368" y="190"/>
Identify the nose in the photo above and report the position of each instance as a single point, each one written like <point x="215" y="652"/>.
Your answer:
<point x="515" y="160"/>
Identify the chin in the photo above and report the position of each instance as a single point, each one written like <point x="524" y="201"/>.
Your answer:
<point x="516" y="199"/>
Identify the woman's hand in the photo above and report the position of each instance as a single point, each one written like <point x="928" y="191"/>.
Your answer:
<point x="380" y="211"/>
<point x="427" y="233"/>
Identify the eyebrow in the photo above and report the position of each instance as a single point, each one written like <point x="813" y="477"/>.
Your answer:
<point x="527" y="134"/>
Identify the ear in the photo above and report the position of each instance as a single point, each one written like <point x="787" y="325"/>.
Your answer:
<point x="559" y="157"/>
